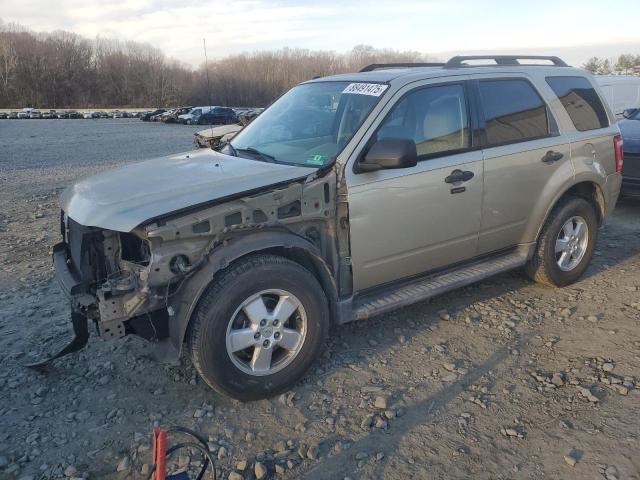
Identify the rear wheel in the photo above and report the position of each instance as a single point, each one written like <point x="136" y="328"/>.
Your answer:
<point x="259" y="327"/>
<point x="566" y="243"/>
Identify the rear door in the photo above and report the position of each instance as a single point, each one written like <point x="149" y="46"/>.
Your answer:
<point x="591" y="141"/>
<point x="522" y="152"/>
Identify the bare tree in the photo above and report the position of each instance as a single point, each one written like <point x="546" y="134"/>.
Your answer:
<point x="599" y="66"/>
<point x="8" y="62"/>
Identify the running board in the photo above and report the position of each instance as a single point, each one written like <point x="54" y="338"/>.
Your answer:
<point x="423" y="288"/>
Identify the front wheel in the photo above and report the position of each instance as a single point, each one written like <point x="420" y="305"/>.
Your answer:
<point x="259" y="327"/>
<point x="566" y="243"/>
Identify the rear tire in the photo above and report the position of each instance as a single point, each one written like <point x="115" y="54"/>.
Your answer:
<point x="566" y="243"/>
<point x="237" y="321"/>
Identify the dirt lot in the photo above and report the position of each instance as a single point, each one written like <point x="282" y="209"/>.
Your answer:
<point x="503" y="379"/>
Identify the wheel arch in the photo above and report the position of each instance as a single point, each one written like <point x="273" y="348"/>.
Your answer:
<point x="285" y="244"/>
<point x="589" y="191"/>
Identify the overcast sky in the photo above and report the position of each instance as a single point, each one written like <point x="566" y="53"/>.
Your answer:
<point x="574" y="29"/>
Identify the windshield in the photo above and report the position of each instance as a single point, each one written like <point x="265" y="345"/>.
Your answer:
<point x="309" y="125"/>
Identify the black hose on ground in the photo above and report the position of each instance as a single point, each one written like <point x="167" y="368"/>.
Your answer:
<point x="201" y="445"/>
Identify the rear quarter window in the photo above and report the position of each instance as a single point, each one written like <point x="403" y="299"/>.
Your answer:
<point x="513" y="111"/>
<point x="581" y="102"/>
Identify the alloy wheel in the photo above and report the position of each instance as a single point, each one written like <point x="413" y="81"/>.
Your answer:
<point x="266" y="332"/>
<point x="571" y="244"/>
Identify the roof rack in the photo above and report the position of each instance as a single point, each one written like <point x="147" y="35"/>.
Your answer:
<point x="503" y="60"/>
<point x="377" y="66"/>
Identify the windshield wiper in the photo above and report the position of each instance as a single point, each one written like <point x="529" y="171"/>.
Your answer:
<point x="264" y="156"/>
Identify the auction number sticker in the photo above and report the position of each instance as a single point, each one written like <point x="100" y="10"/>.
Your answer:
<point x="373" y="89"/>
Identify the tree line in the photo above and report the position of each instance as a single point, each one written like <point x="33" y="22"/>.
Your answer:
<point x="626" y="64"/>
<point x="64" y="70"/>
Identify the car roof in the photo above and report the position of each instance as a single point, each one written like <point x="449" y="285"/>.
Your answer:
<point x="616" y="79"/>
<point x="406" y="75"/>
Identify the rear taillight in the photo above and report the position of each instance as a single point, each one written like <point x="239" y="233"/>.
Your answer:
<point x="617" y="148"/>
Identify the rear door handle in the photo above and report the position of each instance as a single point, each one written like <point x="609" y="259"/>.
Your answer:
<point x="551" y="157"/>
<point x="459" y="176"/>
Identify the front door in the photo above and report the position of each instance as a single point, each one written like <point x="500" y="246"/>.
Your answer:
<point x="409" y="221"/>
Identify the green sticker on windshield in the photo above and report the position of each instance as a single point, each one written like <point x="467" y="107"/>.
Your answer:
<point x="317" y="159"/>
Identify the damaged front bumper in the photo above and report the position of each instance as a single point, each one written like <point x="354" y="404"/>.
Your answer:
<point x="103" y="288"/>
<point x="76" y="291"/>
<point x="72" y="286"/>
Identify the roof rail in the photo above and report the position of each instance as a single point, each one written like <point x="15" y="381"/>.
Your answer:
<point x="508" y="60"/>
<point x="377" y="66"/>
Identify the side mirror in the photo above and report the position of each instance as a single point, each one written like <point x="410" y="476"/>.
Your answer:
<point x="390" y="153"/>
<point x="629" y="112"/>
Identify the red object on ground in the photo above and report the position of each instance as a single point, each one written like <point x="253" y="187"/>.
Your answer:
<point x="159" y="448"/>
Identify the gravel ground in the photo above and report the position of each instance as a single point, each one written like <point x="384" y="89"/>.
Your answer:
<point x="503" y="379"/>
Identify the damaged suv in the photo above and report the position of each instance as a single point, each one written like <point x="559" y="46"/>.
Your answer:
<point x="350" y="196"/>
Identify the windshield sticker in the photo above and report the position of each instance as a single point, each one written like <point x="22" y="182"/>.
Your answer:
<point x="373" y="89"/>
<point x="317" y="159"/>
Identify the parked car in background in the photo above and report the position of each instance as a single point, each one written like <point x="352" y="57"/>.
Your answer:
<point x="157" y="118"/>
<point x="349" y="197"/>
<point x="217" y="136"/>
<point x="13" y="115"/>
<point x="4" y="115"/>
<point x="172" y="115"/>
<point x="35" y="114"/>
<point x="90" y="115"/>
<point x="145" y="117"/>
<point x="248" y="115"/>
<point x="49" y="115"/>
<point x="191" y="117"/>
<point x="630" y="129"/>
<point x="62" y="114"/>
<point x="622" y="92"/>
<point x="75" y="115"/>
<point x="24" y="113"/>
<point x="119" y="114"/>
<point x="217" y="116"/>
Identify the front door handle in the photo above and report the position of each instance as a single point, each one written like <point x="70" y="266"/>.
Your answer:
<point x="459" y="176"/>
<point x="551" y="157"/>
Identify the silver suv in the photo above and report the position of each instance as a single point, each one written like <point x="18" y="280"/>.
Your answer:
<point x="350" y="196"/>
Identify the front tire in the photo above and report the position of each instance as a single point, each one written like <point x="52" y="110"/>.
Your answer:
<point x="566" y="243"/>
<point x="258" y="327"/>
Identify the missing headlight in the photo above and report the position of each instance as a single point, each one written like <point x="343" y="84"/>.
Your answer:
<point x="134" y="249"/>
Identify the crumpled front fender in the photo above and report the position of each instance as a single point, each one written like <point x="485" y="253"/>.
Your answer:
<point x="184" y="302"/>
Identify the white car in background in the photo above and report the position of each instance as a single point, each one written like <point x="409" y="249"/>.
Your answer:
<point x="90" y="115"/>
<point x="25" y="113"/>
<point x="193" y="115"/>
<point x="622" y="92"/>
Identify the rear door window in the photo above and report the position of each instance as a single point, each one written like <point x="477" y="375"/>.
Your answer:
<point x="513" y="111"/>
<point x="581" y="102"/>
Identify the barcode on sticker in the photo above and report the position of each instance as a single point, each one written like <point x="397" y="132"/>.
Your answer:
<point x="373" y="89"/>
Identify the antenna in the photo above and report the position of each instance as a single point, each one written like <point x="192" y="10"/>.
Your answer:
<point x="206" y="68"/>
